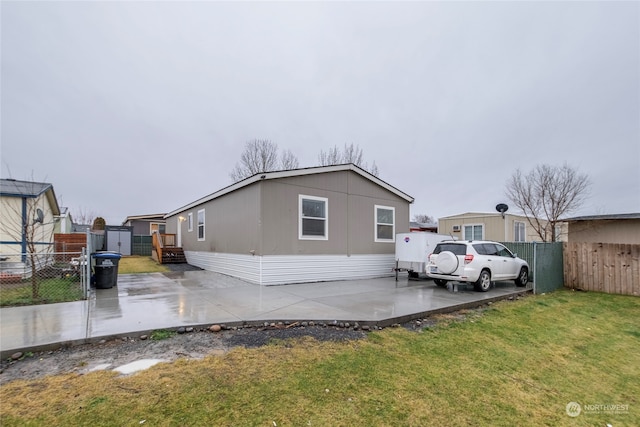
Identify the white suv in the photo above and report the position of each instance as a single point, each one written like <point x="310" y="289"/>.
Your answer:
<point x="478" y="262"/>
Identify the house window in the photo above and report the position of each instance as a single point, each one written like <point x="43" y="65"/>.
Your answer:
<point x="518" y="232"/>
<point x="474" y="232"/>
<point x="190" y="221"/>
<point x="313" y="218"/>
<point x="385" y="224"/>
<point x="160" y="228"/>
<point x="557" y="233"/>
<point x="201" y="225"/>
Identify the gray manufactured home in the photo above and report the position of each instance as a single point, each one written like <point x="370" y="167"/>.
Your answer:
<point x="303" y="225"/>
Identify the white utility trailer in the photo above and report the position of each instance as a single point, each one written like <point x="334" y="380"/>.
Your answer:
<point x="412" y="250"/>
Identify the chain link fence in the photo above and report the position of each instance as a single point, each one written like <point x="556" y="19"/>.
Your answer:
<point x="43" y="278"/>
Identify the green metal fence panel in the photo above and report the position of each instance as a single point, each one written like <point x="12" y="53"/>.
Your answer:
<point x="525" y="251"/>
<point x="549" y="267"/>
<point x="142" y="245"/>
<point x="545" y="261"/>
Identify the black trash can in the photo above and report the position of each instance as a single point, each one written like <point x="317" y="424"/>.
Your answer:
<point x="106" y="269"/>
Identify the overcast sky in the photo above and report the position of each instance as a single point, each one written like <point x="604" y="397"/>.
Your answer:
<point x="133" y="108"/>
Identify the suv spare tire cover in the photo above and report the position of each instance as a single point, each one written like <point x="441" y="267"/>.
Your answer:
<point x="447" y="262"/>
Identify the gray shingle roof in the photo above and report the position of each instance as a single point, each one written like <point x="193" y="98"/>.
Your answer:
<point x="12" y="187"/>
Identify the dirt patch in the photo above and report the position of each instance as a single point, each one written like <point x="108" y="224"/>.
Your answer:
<point x="192" y="344"/>
<point x="195" y="344"/>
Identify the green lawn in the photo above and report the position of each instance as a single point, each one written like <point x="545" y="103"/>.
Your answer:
<point x="140" y="264"/>
<point x="50" y="290"/>
<point x="62" y="289"/>
<point x="516" y="363"/>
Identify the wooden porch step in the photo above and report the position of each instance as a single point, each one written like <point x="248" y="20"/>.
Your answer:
<point x="173" y="256"/>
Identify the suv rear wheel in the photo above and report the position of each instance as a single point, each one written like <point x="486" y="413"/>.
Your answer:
<point x="440" y="282"/>
<point x="484" y="281"/>
<point x="523" y="277"/>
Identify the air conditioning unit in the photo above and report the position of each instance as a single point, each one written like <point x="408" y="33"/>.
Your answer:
<point x="456" y="228"/>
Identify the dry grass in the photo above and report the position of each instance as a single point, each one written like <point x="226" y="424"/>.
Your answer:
<point x="140" y="264"/>
<point x="519" y="363"/>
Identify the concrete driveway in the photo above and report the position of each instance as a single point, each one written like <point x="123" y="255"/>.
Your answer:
<point x="145" y="302"/>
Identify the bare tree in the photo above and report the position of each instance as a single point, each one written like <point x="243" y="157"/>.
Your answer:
<point x="546" y="194"/>
<point x="350" y="154"/>
<point x="83" y="217"/>
<point x="373" y="170"/>
<point x="353" y="154"/>
<point x="331" y="157"/>
<point x="288" y="160"/>
<point x="424" y="218"/>
<point x="261" y="155"/>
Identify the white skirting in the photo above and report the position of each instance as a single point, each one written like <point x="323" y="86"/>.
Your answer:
<point x="284" y="269"/>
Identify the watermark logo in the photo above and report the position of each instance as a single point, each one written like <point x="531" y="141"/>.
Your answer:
<point x="573" y="409"/>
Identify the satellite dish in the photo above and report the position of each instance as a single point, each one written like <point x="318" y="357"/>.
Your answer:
<point x="502" y="208"/>
<point x="39" y="216"/>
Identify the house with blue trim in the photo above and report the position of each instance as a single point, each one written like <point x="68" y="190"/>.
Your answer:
<point x="28" y="213"/>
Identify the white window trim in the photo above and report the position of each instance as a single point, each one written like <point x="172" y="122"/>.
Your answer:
<point x="524" y="231"/>
<point x="204" y="229"/>
<point x="151" y="224"/>
<point x="190" y="221"/>
<point x="375" y="224"/>
<point x="301" y="197"/>
<point x="464" y="231"/>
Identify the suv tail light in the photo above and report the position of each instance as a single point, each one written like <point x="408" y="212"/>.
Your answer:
<point x="468" y="258"/>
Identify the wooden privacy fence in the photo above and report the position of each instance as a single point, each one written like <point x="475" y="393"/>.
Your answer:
<point x="69" y="245"/>
<point x="602" y="267"/>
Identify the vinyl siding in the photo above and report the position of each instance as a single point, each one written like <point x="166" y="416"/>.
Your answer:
<point x="252" y="232"/>
<point x="281" y="217"/>
<point x="245" y="267"/>
<point x="232" y="224"/>
<point x="287" y="269"/>
<point x="351" y="201"/>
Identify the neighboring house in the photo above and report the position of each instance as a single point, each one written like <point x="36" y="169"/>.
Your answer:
<point x="145" y="225"/>
<point x="26" y="209"/>
<point x="488" y="226"/>
<point x="421" y="226"/>
<point x="617" y="228"/>
<point x="63" y="222"/>
<point x="304" y="225"/>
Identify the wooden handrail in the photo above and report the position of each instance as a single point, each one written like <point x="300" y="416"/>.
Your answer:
<point x="157" y="245"/>
<point x="169" y="240"/>
<point x="160" y="241"/>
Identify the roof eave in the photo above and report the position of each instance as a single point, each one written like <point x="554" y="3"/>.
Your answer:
<point x="291" y="173"/>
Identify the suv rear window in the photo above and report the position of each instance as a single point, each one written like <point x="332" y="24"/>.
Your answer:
<point x="456" y="248"/>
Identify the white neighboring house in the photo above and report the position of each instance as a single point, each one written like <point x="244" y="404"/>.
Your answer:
<point x="28" y="212"/>
<point x="64" y="222"/>
<point x="492" y="226"/>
